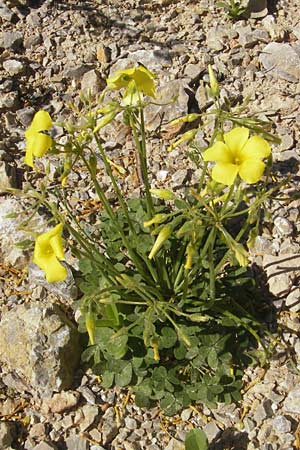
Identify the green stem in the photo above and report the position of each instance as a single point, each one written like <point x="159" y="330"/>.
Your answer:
<point x="115" y="185"/>
<point x="135" y="258"/>
<point x="141" y="148"/>
<point x="212" y="278"/>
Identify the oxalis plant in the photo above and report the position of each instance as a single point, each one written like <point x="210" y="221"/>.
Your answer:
<point x="168" y="304"/>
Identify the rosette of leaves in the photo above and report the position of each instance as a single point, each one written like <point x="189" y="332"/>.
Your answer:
<point x="194" y="352"/>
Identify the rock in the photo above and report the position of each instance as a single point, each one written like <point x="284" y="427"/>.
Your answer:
<point x="292" y="402"/>
<point x="211" y="430"/>
<point x="292" y="302"/>
<point x="10" y="234"/>
<point x="6" y="13"/>
<point x="25" y="116"/>
<point x="87" y="394"/>
<point x="5" y="181"/>
<point x="92" y="83"/>
<point x="40" y="346"/>
<point x="281" y="271"/>
<point x="103" y="54"/>
<point x="90" y="412"/>
<point x="9" y="100"/>
<point x="174" y="444"/>
<point x="283" y="226"/>
<point x="77" y="443"/>
<point x="13" y="66"/>
<point x="154" y="60"/>
<point x="66" y="289"/>
<point x="109" y="427"/>
<point x="215" y="38"/>
<point x="281" y="61"/>
<point x="282" y="424"/>
<point x="37" y="431"/>
<point x="7" y="431"/>
<point x="249" y="38"/>
<point x="63" y="401"/>
<point x="257" y="8"/>
<point x="11" y="39"/>
<point x="193" y="71"/>
<point x="45" y="446"/>
<point x="76" y="72"/>
<point x="175" y="104"/>
<point x="262" y="411"/>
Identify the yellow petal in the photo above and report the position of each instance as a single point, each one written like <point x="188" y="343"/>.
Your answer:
<point x="42" y="243"/>
<point x="236" y="139"/>
<point x="120" y="79"/>
<point x="255" y="148"/>
<point x="218" y="152"/>
<point x="48" y="249"/>
<point x="40" y="144"/>
<point x="55" y="271"/>
<point x="40" y="122"/>
<point x="251" y="170"/>
<point x="29" y="152"/>
<point x="57" y="246"/>
<point x="225" y="173"/>
<point x="145" y="81"/>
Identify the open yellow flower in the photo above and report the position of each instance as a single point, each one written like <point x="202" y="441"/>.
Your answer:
<point x="48" y="251"/>
<point x="238" y="155"/>
<point x="37" y="142"/>
<point x="142" y="79"/>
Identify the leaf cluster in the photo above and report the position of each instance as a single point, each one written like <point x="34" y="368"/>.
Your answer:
<point x="193" y="353"/>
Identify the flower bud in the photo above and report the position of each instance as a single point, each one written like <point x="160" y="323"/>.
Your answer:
<point x="164" y="194"/>
<point x="214" y="85"/>
<point x="158" y="218"/>
<point x="163" y="236"/>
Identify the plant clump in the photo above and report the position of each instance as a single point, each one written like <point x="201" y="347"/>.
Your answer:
<point x="168" y="304"/>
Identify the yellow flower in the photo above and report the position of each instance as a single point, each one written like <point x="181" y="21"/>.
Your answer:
<point x="238" y="155"/>
<point x="139" y="76"/>
<point x="37" y="142"/>
<point x="48" y="251"/>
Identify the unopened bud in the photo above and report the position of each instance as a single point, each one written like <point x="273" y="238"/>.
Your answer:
<point x="214" y="85"/>
<point x="163" y="236"/>
<point x="164" y="194"/>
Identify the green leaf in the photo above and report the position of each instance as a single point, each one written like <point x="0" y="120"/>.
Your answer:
<point x="180" y="352"/>
<point x="196" y="440"/>
<point x="142" y="400"/>
<point x="212" y="359"/>
<point x="123" y="379"/>
<point x="117" y="347"/>
<point x="25" y="245"/>
<point x="169" y="404"/>
<point x="85" y="266"/>
<point x="168" y="338"/>
<point x="107" y="379"/>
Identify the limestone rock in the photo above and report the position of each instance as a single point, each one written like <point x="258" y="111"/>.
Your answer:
<point x="65" y="289"/>
<point x="281" y="271"/>
<point x="281" y="61"/>
<point x="175" y="100"/>
<point x="11" y="39"/>
<point x="13" y="66"/>
<point x="62" y="401"/>
<point x="10" y="234"/>
<point x="154" y="60"/>
<point x="92" y="82"/>
<point x="6" y="434"/>
<point x="292" y="402"/>
<point x="40" y="347"/>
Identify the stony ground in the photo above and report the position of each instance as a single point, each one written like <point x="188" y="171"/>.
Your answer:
<point x="50" y="50"/>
